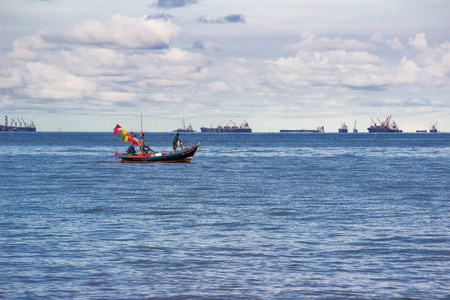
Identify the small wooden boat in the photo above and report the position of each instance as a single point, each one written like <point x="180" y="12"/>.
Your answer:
<point x="184" y="155"/>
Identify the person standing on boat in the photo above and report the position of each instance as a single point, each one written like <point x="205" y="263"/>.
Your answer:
<point x="142" y="144"/>
<point x="176" y="139"/>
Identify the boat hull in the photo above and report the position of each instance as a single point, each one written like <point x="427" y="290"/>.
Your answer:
<point x="184" y="130"/>
<point x="382" y="129"/>
<point x="16" y="128"/>
<point x="183" y="156"/>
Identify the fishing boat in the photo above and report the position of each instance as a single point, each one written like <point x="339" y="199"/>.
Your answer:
<point x="148" y="155"/>
<point x="178" y="156"/>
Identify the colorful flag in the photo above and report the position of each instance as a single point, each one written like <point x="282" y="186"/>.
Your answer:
<point x="123" y="135"/>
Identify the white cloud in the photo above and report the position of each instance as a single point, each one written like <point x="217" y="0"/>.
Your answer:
<point x="10" y="78"/>
<point x="310" y="42"/>
<point x="406" y="71"/>
<point x="216" y="87"/>
<point x="48" y="81"/>
<point x="395" y="44"/>
<point x="22" y="54"/>
<point x="325" y="68"/>
<point x="124" y="32"/>
<point x="419" y="42"/>
<point x="32" y="42"/>
<point x="377" y="38"/>
<point x="94" y="67"/>
<point x="325" y="62"/>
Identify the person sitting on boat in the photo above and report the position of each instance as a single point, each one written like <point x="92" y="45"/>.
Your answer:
<point x="148" y="150"/>
<point x="176" y="140"/>
<point x="131" y="150"/>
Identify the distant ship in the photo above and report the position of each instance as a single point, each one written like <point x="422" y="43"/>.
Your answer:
<point x="184" y="129"/>
<point x="317" y="130"/>
<point x="343" y="129"/>
<point x="433" y="128"/>
<point x="385" y="126"/>
<point x="17" y="125"/>
<point x="242" y="128"/>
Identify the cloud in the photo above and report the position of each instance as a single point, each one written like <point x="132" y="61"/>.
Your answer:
<point x="433" y="60"/>
<point x="233" y="18"/>
<point x="395" y="44"/>
<point x="310" y="42"/>
<point x="419" y="42"/>
<point x="348" y="63"/>
<point x="161" y="16"/>
<point x="377" y="38"/>
<point x="174" y="3"/>
<point x="124" y="32"/>
<point x="99" y="65"/>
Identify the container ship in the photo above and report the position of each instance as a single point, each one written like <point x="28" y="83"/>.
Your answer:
<point x="242" y="128"/>
<point x="17" y="125"/>
<point x="343" y="129"/>
<point x="385" y="126"/>
<point x="317" y="130"/>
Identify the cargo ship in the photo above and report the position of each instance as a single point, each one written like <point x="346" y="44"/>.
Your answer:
<point x="317" y="130"/>
<point x="385" y="126"/>
<point x="343" y="129"/>
<point x="242" y="128"/>
<point x="184" y="129"/>
<point x="17" y="125"/>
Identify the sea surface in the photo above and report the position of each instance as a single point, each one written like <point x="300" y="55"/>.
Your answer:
<point x="253" y="216"/>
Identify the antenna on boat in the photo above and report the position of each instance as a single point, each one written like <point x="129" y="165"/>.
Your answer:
<point x="141" y="122"/>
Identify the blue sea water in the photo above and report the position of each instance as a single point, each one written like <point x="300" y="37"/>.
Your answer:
<point x="254" y="216"/>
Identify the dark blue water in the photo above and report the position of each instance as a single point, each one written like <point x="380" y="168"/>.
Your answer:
<point x="254" y="216"/>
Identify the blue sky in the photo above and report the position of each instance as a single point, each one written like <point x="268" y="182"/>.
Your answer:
<point x="87" y="65"/>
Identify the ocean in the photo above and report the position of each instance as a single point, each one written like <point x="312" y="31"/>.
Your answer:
<point x="253" y="216"/>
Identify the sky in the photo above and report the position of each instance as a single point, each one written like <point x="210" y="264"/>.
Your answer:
<point x="287" y="64"/>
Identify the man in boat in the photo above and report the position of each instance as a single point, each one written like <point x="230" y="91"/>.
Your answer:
<point x="131" y="150"/>
<point x="142" y="144"/>
<point x="176" y="139"/>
